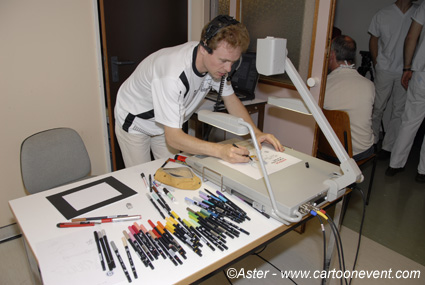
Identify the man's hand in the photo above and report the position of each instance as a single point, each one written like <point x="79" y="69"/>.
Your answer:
<point x="271" y="139"/>
<point x="234" y="154"/>
<point x="405" y="78"/>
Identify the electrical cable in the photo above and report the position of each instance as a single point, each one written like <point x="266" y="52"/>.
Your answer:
<point x="334" y="232"/>
<point x="324" y="246"/>
<point x="217" y="106"/>
<point x="227" y="277"/>
<point x="314" y="213"/>
<point x="274" y="266"/>
<point x="322" y="214"/>
<point x="339" y="245"/>
<point x="263" y="249"/>
<point x="220" y="92"/>
<point x="361" y="228"/>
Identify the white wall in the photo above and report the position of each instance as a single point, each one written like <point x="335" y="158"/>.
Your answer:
<point x="198" y="17"/>
<point x="49" y="77"/>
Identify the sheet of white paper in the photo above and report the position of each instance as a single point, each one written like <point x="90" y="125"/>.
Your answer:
<point x="91" y="196"/>
<point x="274" y="161"/>
<point x="73" y="259"/>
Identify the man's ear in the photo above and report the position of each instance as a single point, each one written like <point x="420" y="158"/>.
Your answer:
<point x="332" y="55"/>
<point x="203" y="50"/>
<point x="332" y="58"/>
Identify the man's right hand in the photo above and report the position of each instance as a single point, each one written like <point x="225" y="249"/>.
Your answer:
<point x="405" y="78"/>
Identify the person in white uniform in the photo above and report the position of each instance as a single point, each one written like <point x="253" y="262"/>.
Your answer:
<point x="414" y="80"/>
<point x="388" y="29"/>
<point x="348" y="91"/>
<point x="169" y="85"/>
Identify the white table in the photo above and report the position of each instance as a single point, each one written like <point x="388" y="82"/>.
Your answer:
<point x="37" y="218"/>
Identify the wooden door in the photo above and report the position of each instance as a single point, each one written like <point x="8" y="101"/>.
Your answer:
<point x="130" y="31"/>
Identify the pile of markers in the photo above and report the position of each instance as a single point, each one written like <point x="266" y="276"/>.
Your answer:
<point x="210" y="226"/>
<point x="218" y="206"/>
<point x="215" y="221"/>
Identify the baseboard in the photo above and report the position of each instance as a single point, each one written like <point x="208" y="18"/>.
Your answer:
<point x="9" y="232"/>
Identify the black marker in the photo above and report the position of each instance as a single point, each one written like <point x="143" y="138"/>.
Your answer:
<point x="108" y="249"/>
<point x="130" y="260"/>
<point x="114" y="247"/>
<point x="137" y="249"/>
<point x="235" y="145"/>
<point x="150" y="183"/>
<point x="165" y="163"/>
<point x="105" y="252"/>
<point x="155" y="205"/>
<point x="99" y="250"/>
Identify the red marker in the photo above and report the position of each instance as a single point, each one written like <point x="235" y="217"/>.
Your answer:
<point x="78" y="224"/>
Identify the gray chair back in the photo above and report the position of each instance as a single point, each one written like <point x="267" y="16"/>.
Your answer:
<point x="53" y="158"/>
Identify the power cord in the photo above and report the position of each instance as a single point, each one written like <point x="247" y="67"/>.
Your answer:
<point x="259" y="256"/>
<point x="217" y="106"/>
<point x="341" y="259"/>
<point x="324" y="246"/>
<point x="256" y="254"/>
<point x="318" y="212"/>
<point x="338" y="243"/>
<point x="361" y="227"/>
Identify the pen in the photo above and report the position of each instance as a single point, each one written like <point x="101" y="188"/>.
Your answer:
<point x="165" y="163"/>
<point x="105" y="252"/>
<point x="130" y="260"/>
<point x="151" y="246"/>
<point x="77" y="224"/>
<point x="150" y="183"/>
<point x="120" y="219"/>
<point x="160" y="199"/>
<point x="97" y="218"/>
<point x="114" y="247"/>
<point x="169" y="252"/>
<point x="235" y="145"/>
<point x="172" y="198"/>
<point x="155" y="205"/>
<point x="137" y="249"/>
<point x="144" y="180"/>
<point x="141" y="243"/>
<point x="99" y="250"/>
<point x="108" y="248"/>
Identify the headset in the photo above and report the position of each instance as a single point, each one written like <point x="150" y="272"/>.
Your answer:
<point x="219" y="22"/>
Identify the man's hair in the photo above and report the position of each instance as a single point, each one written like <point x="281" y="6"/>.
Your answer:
<point x="344" y="48"/>
<point x="235" y="35"/>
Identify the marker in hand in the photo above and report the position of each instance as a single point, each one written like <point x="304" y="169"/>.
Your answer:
<point x="235" y="145"/>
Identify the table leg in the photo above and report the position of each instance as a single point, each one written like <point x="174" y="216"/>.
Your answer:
<point x="33" y="263"/>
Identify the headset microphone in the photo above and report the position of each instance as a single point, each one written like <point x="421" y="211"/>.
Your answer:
<point x="235" y="67"/>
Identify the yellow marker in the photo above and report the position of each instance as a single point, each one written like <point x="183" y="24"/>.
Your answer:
<point x="174" y="214"/>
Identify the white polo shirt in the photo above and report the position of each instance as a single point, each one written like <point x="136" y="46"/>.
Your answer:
<point x="165" y="89"/>
<point x="390" y="25"/>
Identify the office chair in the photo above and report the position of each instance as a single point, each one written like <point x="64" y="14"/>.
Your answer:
<point x="53" y="158"/>
<point x="340" y="122"/>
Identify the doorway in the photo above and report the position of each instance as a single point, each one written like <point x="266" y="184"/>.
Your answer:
<point x="130" y="31"/>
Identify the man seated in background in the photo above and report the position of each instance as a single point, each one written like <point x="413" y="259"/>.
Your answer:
<point x="348" y="91"/>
